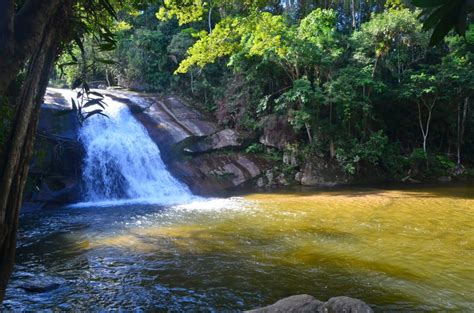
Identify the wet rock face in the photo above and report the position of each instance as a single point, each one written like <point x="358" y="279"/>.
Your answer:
<point x="55" y="170"/>
<point x="277" y="132"/>
<point x="206" y="159"/>
<point x="208" y="174"/>
<point x="308" y="304"/>
<point x="221" y="140"/>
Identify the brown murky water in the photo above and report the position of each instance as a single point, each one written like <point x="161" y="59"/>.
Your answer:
<point x="398" y="250"/>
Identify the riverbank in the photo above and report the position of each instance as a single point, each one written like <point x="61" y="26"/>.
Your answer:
<point x="209" y="159"/>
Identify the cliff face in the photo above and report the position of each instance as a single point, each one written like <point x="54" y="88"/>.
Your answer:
<point x="195" y="151"/>
<point x="205" y="158"/>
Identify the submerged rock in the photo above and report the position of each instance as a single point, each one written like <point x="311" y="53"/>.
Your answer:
<point x="41" y="284"/>
<point x="309" y="304"/>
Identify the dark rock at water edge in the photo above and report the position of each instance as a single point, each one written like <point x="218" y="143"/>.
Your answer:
<point x="309" y="304"/>
<point x="55" y="170"/>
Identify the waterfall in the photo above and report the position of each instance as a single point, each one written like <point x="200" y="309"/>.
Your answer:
<point x="123" y="163"/>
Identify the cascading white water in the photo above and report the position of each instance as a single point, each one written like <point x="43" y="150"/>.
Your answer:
<point x="123" y="163"/>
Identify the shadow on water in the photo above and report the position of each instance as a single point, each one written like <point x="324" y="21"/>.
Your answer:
<point x="186" y="279"/>
<point x="166" y="258"/>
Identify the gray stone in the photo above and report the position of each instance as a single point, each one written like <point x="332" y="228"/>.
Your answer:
<point x="299" y="177"/>
<point x="277" y="132"/>
<point x="308" y="304"/>
<point x="281" y="179"/>
<point x="261" y="182"/>
<point x="224" y="139"/>
<point x="270" y="176"/>
<point x="319" y="172"/>
<point x="346" y="305"/>
<point x="289" y="158"/>
<point x="293" y="304"/>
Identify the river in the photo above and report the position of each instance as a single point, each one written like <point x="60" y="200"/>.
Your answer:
<point x="140" y="240"/>
<point x="397" y="249"/>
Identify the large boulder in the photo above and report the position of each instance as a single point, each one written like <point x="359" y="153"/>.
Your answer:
<point x="55" y="169"/>
<point x="309" y="304"/>
<point x="346" y="305"/>
<point x="319" y="172"/>
<point x="277" y="132"/>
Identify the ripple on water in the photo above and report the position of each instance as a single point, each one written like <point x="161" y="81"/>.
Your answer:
<point x="408" y="250"/>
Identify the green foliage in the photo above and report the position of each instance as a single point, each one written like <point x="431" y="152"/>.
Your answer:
<point x="352" y="153"/>
<point x="392" y="40"/>
<point x="351" y="89"/>
<point x="255" y="148"/>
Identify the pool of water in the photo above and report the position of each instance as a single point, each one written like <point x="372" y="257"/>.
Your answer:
<point x="396" y="249"/>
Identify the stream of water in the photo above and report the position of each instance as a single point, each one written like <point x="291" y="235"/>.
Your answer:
<point x="123" y="164"/>
<point x="142" y="241"/>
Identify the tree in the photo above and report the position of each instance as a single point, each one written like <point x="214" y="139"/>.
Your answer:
<point x="425" y="87"/>
<point x="392" y="40"/>
<point x="457" y="69"/>
<point x="33" y="33"/>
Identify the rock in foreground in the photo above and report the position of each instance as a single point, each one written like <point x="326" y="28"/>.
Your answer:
<point x="309" y="304"/>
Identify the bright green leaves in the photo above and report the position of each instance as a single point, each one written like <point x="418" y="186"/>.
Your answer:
<point x="186" y="11"/>
<point x="223" y="41"/>
<point x="268" y="36"/>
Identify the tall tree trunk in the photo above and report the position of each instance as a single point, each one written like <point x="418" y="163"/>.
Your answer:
<point x="38" y="27"/>
<point x="20" y="151"/>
